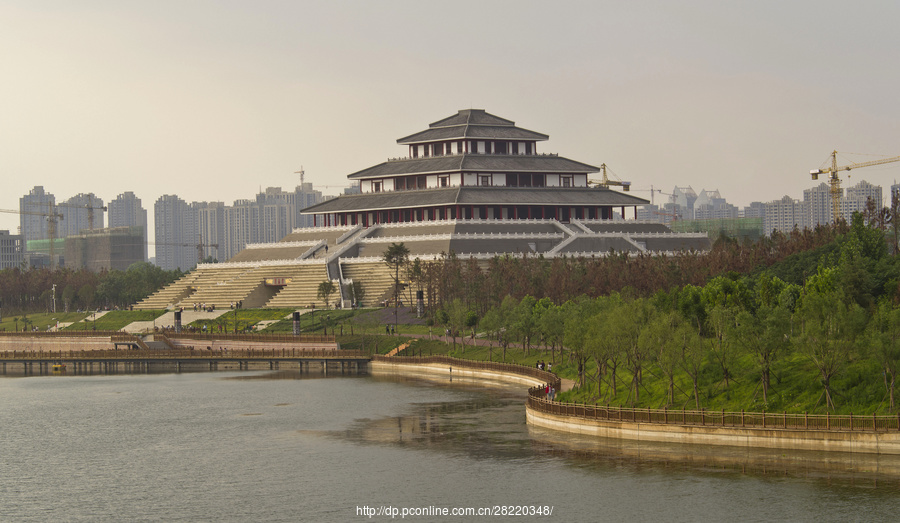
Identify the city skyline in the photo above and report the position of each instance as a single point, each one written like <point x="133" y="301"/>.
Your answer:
<point x="745" y="98"/>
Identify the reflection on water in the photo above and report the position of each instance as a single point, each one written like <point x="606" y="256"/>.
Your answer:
<point x="289" y="446"/>
<point x="492" y="425"/>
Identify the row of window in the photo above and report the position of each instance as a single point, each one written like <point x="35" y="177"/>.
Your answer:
<point x="470" y="146"/>
<point x="405" y="183"/>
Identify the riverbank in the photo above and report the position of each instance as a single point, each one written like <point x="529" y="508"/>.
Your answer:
<point x="555" y="415"/>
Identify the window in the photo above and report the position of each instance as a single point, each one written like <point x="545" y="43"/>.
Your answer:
<point x="500" y="148"/>
<point x="528" y="148"/>
<point x="565" y="181"/>
<point x="444" y="181"/>
<point x="376" y="186"/>
<point x="484" y="180"/>
<point x="448" y="148"/>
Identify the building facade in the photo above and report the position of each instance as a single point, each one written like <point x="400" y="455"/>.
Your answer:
<point x="126" y="211"/>
<point x="80" y="213"/>
<point x="34" y="210"/>
<point x="12" y="250"/>
<point x="473" y="166"/>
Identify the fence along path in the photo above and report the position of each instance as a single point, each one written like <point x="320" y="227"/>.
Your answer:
<point x="758" y="420"/>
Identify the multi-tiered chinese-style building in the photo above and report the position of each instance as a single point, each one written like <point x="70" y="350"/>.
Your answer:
<point x="473" y="184"/>
<point x="474" y="165"/>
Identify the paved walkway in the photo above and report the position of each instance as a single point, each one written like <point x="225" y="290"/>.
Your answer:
<point x="168" y="320"/>
<point x="567" y="384"/>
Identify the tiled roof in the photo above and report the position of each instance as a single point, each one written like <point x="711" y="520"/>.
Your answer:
<point x="472" y="123"/>
<point x="472" y="116"/>
<point x="473" y="131"/>
<point x="514" y="163"/>
<point x="475" y="196"/>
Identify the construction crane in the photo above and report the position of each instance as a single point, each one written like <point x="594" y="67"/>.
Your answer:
<point x="89" y="206"/>
<point x="653" y="191"/>
<point x="835" y="182"/>
<point x="606" y="182"/>
<point x="53" y="219"/>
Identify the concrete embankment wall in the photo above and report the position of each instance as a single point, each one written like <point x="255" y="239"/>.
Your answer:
<point x="448" y="370"/>
<point x="55" y="344"/>
<point x="821" y="440"/>
<point x="219" y="344"/>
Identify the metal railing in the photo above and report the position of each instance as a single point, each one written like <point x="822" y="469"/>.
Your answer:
<point x="715" y="418"/>
<point x="182" y="354"/>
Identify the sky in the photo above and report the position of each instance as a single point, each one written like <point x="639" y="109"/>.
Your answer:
<point x="214" y="100"/>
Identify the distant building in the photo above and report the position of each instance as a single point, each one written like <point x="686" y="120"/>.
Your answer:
<point x="12" y="250"/>
<point x="82" y="212"/>
<point x="34" y="208"/>
<point x="710" y="205"/>
<point x="221" y="231"/>
<point x="174" y="234"/>
<point x="857" y="199"/>
<point x="105" y="249"/>
<point x="126" y="211"/>
<point x="818" y="205"/>
<point x="754" y="210"/>
<point x="684" y="198"/>
<point x="784" y="215"/>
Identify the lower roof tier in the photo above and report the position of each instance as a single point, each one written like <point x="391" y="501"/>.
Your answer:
<point x="550" y="196"/>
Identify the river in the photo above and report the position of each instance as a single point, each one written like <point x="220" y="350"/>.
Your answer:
<point x="282" y="446"/>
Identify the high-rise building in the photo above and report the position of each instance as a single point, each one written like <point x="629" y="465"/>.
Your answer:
<point x="82" y="212"/>
<point x="710" y="205"/>
<point x="818" y="205"/>
<point x="222" y="231"/>
<point x="211" y="227"/>
<point x="34" y="209"/>
<point x="857" y="199"/>
<point x="784" y="215"/>
<point x="755" y="210"/>
<point x="126" y="211"/>
<point x="173" y="233"/>
<point x="684" y="198"/>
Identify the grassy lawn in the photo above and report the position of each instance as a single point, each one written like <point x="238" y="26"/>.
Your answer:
<point x="115" y="320"/>
<point x="245" y="318"/>
<point x="41" y="321"/>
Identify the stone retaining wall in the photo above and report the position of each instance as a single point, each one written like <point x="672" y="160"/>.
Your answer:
<point x="792" y="439"/>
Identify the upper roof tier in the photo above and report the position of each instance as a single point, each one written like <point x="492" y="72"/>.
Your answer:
<point x="472" y="123"/>
<point x="543" y="163"/>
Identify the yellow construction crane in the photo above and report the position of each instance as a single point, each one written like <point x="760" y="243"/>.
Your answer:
<point x="52" y="220"/>
<point x="835" y="182"/>
<point x="90" y="209"/>
<point x="606" y="182"/>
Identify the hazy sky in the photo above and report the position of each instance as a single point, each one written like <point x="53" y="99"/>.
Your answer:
<point x="211" y="100"/>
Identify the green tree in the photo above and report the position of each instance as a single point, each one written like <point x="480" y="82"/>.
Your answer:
<point x="830" y="324"/>
<point x="499" y="320"/>
<point x="526" y="322"/>
<point x="884" y="344"/>
<point x="326" y="289"/>
<point x="457" y="315"/>
<point x="765" y="334"/>
<point x="396" y="256"/>
<point x="660" y="342"/>
<point x="576" y="337"/>
<point x="692" y="356"/>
